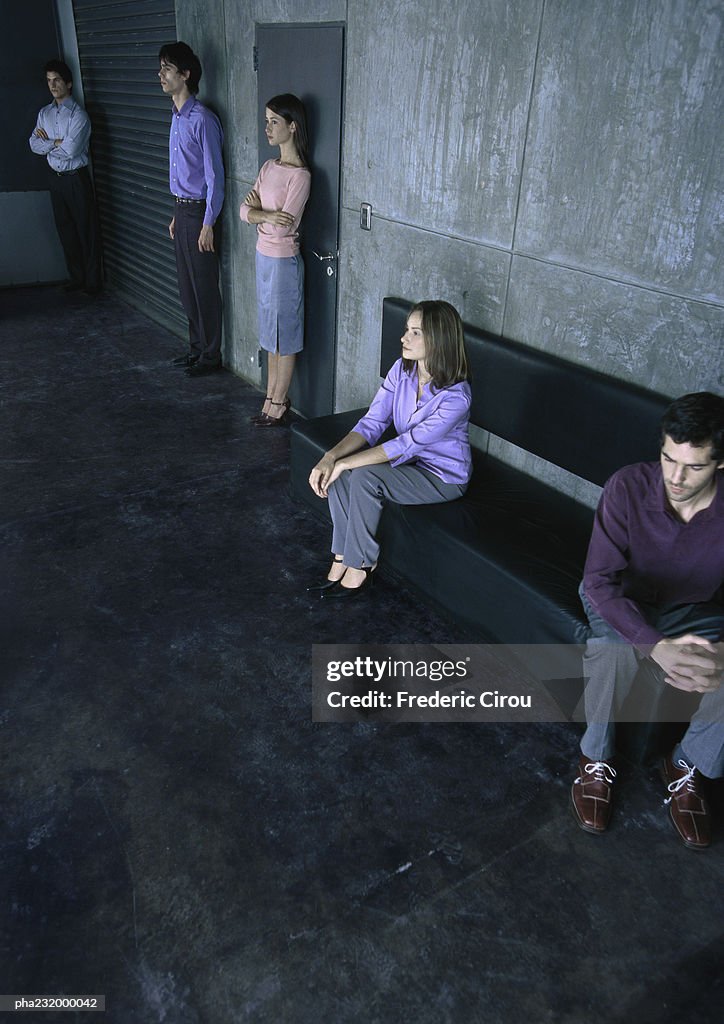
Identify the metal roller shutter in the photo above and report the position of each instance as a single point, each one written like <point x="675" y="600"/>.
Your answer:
<point x="118" y="44"/>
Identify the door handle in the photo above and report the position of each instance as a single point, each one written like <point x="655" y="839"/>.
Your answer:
<point x="323" y="257"/>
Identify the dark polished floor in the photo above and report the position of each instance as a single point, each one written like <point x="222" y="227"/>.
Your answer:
<point x="178" y="835"/>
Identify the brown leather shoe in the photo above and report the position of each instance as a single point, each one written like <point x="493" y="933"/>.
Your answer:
<point x="688" y="809"/>
<point x="592" y="794"/>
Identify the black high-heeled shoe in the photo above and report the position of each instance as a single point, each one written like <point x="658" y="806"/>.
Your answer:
<point x="265" y="420"/>
<point x="327" y="584"/>
<point x="340" y="592"/>
<point x="259" y="415"/>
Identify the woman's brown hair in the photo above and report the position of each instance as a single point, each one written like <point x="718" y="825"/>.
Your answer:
<point x="445" y="356"/>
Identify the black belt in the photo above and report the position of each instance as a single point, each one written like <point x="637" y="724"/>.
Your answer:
<point x="181" y="199"/>
<point x="63" y="174"/>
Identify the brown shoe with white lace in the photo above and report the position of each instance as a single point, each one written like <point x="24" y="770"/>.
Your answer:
<point x="592" y="794"/>
<point x="688" y="809"/>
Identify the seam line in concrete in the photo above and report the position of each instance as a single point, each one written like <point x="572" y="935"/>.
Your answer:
<point x="627" y="281"/>
<point x="531" y="94"/>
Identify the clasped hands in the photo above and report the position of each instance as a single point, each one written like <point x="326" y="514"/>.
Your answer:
<point x="690" y="662"/>
<point x="325" y="473"/>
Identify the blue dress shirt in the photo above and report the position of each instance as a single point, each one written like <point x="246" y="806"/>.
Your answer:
<point x="196" y="168"/>
<point x="69" y="122"/>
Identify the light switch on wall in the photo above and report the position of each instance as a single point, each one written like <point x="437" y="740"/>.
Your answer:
<point x="365" y="217"/>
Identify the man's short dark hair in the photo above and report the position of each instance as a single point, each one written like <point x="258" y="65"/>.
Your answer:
<point x="59" y="67"/>
<point x="696" y="419"/>
<point x="183" y="57"/>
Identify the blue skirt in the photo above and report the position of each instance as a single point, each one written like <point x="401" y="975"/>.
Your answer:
<point x="280" y="300"/>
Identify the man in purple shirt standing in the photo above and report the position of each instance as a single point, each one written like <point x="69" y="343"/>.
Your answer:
<point x="196" y="179"/>
<point x="653" y="587"/>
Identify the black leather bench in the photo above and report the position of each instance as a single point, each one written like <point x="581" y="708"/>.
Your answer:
<point x="506" y="560"/>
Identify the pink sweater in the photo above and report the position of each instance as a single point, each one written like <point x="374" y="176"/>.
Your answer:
<point x="280" y="188"/>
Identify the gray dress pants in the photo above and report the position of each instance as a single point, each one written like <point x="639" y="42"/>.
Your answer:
<point x="357" y="497"/>
<point x="610" y="666"/>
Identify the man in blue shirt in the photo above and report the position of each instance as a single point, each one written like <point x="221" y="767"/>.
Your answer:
<point x="61" y="135"/>
<point x="196" y="180"/>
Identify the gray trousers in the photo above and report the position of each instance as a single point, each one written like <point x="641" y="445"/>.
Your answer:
<point x="610" y="666"/>
<point x="357" y="497"/>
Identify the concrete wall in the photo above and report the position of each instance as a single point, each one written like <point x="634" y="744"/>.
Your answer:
<point x="553" y="168"/>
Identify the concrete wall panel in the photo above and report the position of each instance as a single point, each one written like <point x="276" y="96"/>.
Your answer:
<point x="437" y="103"/>
<point x="392" y="259"/>
<point x="242" y="129"/>
<point x="202" y="25"/>
<point x="659" y="341"/>
<point x="240" y="326"/>
<point x="624" y="170"/>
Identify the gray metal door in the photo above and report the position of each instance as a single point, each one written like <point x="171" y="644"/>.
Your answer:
<point x="308" y="60"/>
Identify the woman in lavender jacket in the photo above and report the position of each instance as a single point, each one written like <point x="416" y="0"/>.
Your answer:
<point x="426" y="395"/>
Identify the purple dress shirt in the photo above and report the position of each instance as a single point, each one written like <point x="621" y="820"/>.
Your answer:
<point x="641" y="552"/>
<point x="196" y="167"/>
<point x="433" y="432"/>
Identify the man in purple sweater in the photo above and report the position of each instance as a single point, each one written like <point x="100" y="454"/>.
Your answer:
<point x="653" y="587"/>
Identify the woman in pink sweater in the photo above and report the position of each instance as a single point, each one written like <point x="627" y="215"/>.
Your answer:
<point x="275" y="205"/>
